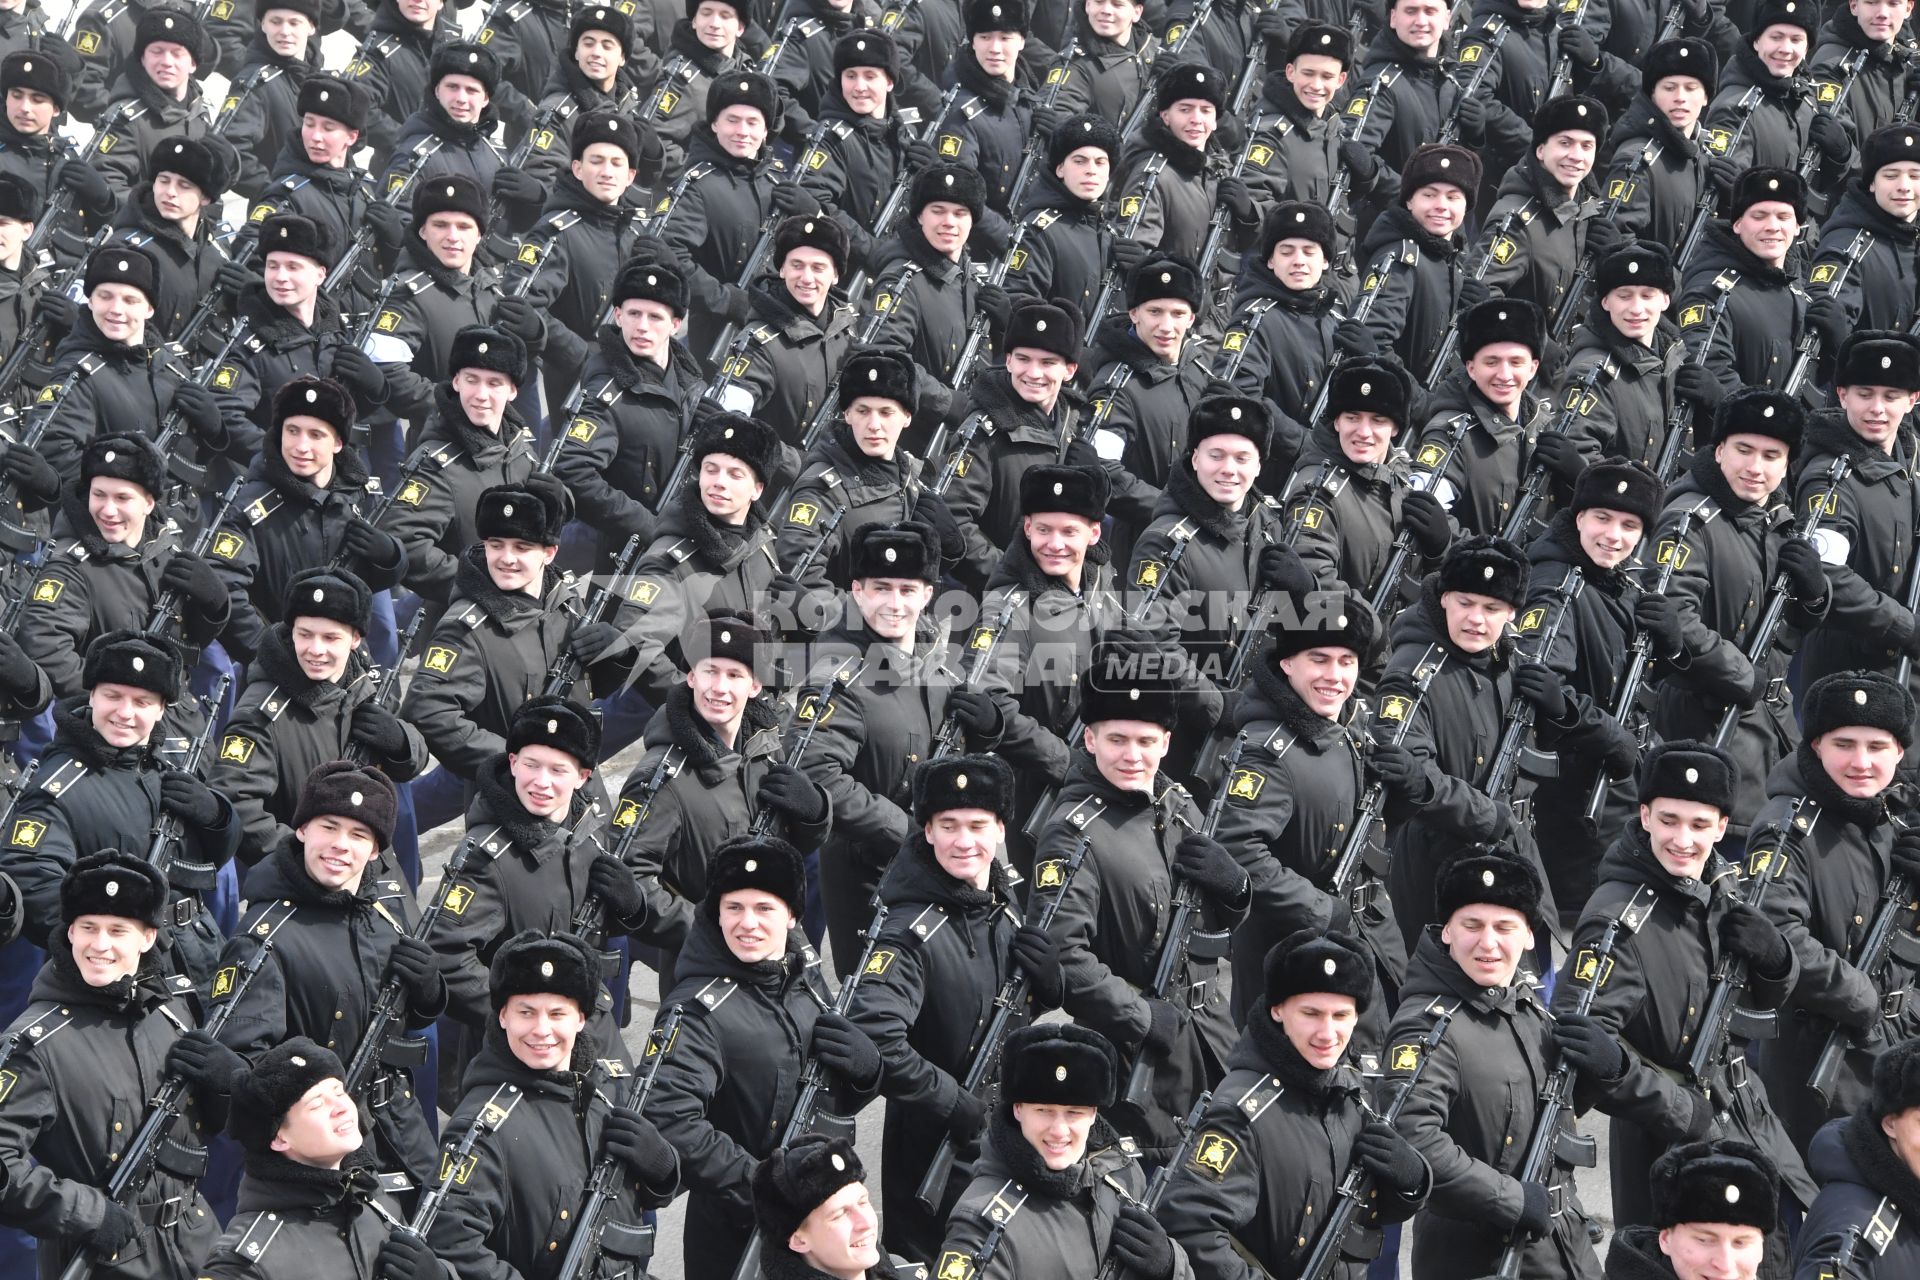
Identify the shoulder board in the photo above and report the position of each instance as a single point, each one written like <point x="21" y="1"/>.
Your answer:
<point x="763" y="334"/>
<point x="928" y="923"/>
<point x="46" y="1026"/>
<point x="261" y="1233"/>
<point x="840" y="129"/>
<point x="680" y="551"/>
<point x="1258" y="309"/>
<point x="1183" y="531"/>
<point x="396" y="1184"/>
<point x="808" y="28"/>
<point x="831" y="478"/>
<point x="138" y="111"/>
<point x="715" y="993"/>
<point x="565" y="220"/>
<point x="1282" y="127"/>
<point x="1043" y="219"/>
<point x="262" y="507"/>
<point x="274" y="703"/>
<point x="1001" y="1209"/>
<point x="469" y="616"/>
<point x="77" y="552"/>
<point x="63" y="778"/>
<point x="90" y="364"/>
<point x="415" y="281"/>
<point x="491" y="840"/>
<point x="972" y="107"/>
<point x="1084" y="812"/>
<point x="1255" y="1101"/>
<point x="1639" y="907"/>
<point x="112" y="11"/>
<point x="385" y="45"/>
<point x="138" y="239"/>
<point x="1279" y="742"/>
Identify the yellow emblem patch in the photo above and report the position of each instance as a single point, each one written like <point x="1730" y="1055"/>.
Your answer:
<point x="1149" y="575"/>
<point x="413" y="493"/>
<point x="644" y="592"/>
<point x="1668" y="551"/>
<point x="1395" y="707"/>
<point x="261" y="212"/>
<point x="626" y="814"/>
<point x="803" y="513"/>
<point x="1431" y="456"/>
<point x="1215" y="1155"/>
<point x="237" y="747"/>
<point x="229" y="105"/>
<point x="878" y="963"/>
<point x="668" y="101"/>
<point x="388" y="321"/>
<point x="49" y="392"/>
<point x="1824" y="273"/>
<point x="440" y="658"/>
<point x="949" y="145"/>
<point x="529" y="255"/>
<point x="47" y="590"/>
<point x="1473" y="53"/>
<point x="223" y="982"/>
<point x="1405" y="1057"/>
<point x="1371" y="283"/>
<point x="1619" y="189"/>
<point x="816" y="158"/>
<point x="810" y="707"/>
<point x="1587" y="968"/>
<point x="1056" y="75"/>
<point x="1260" y="155"/>
<point x="1048" y="875"/>
<point x="27" y="833"/>
<point x="1692" y="315"/>
<point x="1311" y="517"/>
<point x="7" y="1080"/>
<point x="883" y="303"/>
<point x="1235" y="339"/>
<point x="1246" y="784"/>
<point x="1761" y="863"/>
<point x="458" y="899"/>
<point x="88" y="43"/>
<point x="1829" y="497"/>
<point x="954" y="1265"/>
<point x="960" y="462"/>
<point x="1828" y="92"/>
<point x="582" y="429"/>
<point x="1503" y="250"/>
<point x="1358" y="107"/>
<point x="228" y="545"/>
<point x="1130" y="207"/>
<point x="1532" y="618"/>
<point x="1719" y="140"/>
<point x="485" y="36"/>
<point x="543" y="139"/>
<point x="467" y="1167"/>
<point x="736" y="367"/>
<point x="982" y="639"/>
<point x="1017" y="260"/>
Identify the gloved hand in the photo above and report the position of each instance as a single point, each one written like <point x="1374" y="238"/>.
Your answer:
<point x="368" y="545"/>
<point x="784" y="592"/>
<point x="1081" y="452"/>
<point x="1471" y="112"/>
<point x="1536" y="1211"/>
<point x="203" y="1062"/>
<point x="967" y="1118"/>
<point x="1721" y="172"/>
<point x="921" y="156"/>
<point x="611" y="881"/>
<point x="1276" y="29"/>
<point x="1578" y="43"/>
<point x="415" y="966"/>
<point x="1556" y="451"/>
<point x="735" y="304"/>
<point x="406" y="1256"/>
<point x="1905" y="855"/>
<point x="1827" y="133"/>
<point x="1235" y="197"/>
<point x="1542" y="686"/>
<point x="592" y="641"/>
<point x="1282" y="569"/>
<point x="355" y="370"/>
<point x="196" y="404"/>
<point x="31" y="475"/>
<point x="1127" y="255"/>
<point x="115" y="1232"/>
<point x="978" y="716"/>
<point x="1047" y="120"/>
<point x="1397" y="768"/>
<point x="90" y="190"/>
<point x="188" y="798"/>
<point x="234" y="278"/>
<point x="1604" y="239"/>
<point x="791" y="200"/>
<point x="1659" y="617"/>
<point x="931" y="509"/>
<point x="1699" y="388"/>
<point x="1588" y="1047"/>
<point x="1165" y="1022"/>
<point x="1806" y="574"/>
<point x="1140" y="1244"/>
<point x="387" y="225"/>
<point x="793" y="793"/>
<point x="1750" y="935"/>
<point x="1037" y="955"/>
<point x="1697" y="14"/>
<point x="18" y="675"/>
<point x="1826" y="317"/>
<point x="995" y="304"/>
<point x="1390" y="1158"/>
<point x="195" y="580"/>
<point x="379" y="731"/>
<point x="1206" y="863"/>
<point x="845" y="1050"/>
<point x="1352" y="338"/>
<point x="57" y="313"/>
<point x="518" y="187"/>
<point x="523" y="320"/>
<point x="1360" y="162"/>
<point x="631" y="1139"/>
<point x="1472" y="294"/>
<point x="1426" y="520"/>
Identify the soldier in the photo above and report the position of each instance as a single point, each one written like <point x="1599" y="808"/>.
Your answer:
<point x="703" y="47"/>
<point x="1544" y="218"/>
<point x="1402" y="96"/>
<point x="925" y="285"/>
<point x="564" y="1111"/>
<point x="1293" y="1108"/>
<point x="1772" y="56"/>
<point x="598" y="73"/>
<point x="263" y="96"/>
<point x="751" y="1020"/>
<point x="953" y="938"/>
<point x="800" y="331"/>
<point x="1715" y="1207"/>
<point x="309" y="699"/>
<point x="1653" y="987"/>
<point x="173" y="215"/>
<point x="24" y="282"/>
<point x="1114" y="61"/>
<point x="458" y="113"/>
<point x="106" y="1025"/>
<point x="1865" y="1165"/>
<point x="862" y="155"/>
<point x="811" y="1205"/>
<point x="987" y="127"/>
<point x="1882" y="206"/>
<point x="1676" y="82"/>
<point x="1058" y="1192"/>
<point x="1877" y="89"/>
<point x="1175" y="210"/>
<point x="37" y="91"/>
<point x="391" y="67"/>
<point x="1870" y="520"/>
<point x="1462" y="1113"/>
<point x="1416" y="283"/>
<point x="1067" y="247"/>
<point x="1303" y="147"/>
<point x="155" y="96"/>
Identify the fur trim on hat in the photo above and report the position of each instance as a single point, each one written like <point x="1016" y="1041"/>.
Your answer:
<point x="135" y="660"/>
<point x="963" y="782"/>
<point x="344" y="789"/>
<point x="1857" y="699"/>
<point x="549" y="721"/>
<point x="1683" y="769"/>
<point x="113" y="883"/>
<point x="1312" y="962"/>
<point x="1059" y="1064"/>
<point x="767" y="864"/>
<point x="1483" y="565"/>
<point x="534" y="963"/>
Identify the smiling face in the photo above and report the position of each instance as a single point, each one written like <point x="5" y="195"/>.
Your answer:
<point x="541" y="1029"/>
<point x="1896" y="188"/>
<point x="946" y="226"/>
<point x="322" y="1128"/>
<point x="125" y="715"/>
<point x="1881" y="19"/>
<point x="1192" y="120"/>
<point x="1113" y="19"/>
<point x="1783" y="47"/>
<point x="545" y="779"/>
<point x="1713" y="1251"/>
<point x="1858" y="759"/>
<point x="965" y="841"/>
<point x="1607" y="536"/>
<point x="841" y="1237"/>
<point x="108" y="948"/>
<point x="1752" y="465"/>
<point x="865" y="90"/>
<point x="809" y="275"/>
<point x="754" y="924"/>
<point x="1298" y="264"/>
<point x="721" y="690"/>
<point x="1487" y="942"/>
<point x="515" y="564"/>
<point x="452" y="239"/>
<point x="728" y="487"/>
<point x="1439" y="208"/>
<point x="1503" y="371"/>
<point x="322" y="646"/>
<point x="1366" y="438"/>
<point x="337" y="851"/>
<point x="717" y="25"/>
<point x="309" y="445"/>
<point x="998" y="52"/>
<point x="293" y="279"/>
<point x="1319" y="1024"/>
<point x="1039" y="375"/>
<point x="1128" y="752"/>
<point x="1315" y="80"/>
<point x="1323" y="677"/>
<point x="1058" y="1133"/>
<point x="170" y="66"/>
<point x="1058" y="543"/>
<point x="1568" y="156"/>
<point x="1635" y="310"/>
<point x="463" y="98"/>
<point x="1162" y="325"/>
<point x="287" y="32"/>
<point x="1682" y="834"/>
<point x="1767" y="230"/>
<point x="1474" y="622"/>
<point x="1875" y="413"/>
<point x="599" y="56"/>
<point x="741" y="130"/>
<point x="891" y="606"/>
<point x="1227" y="467"/>
<point x="485" y="395"/>
<point x="604" y="171"/>
<point x="120" y="509"/>
<point x="120" y="312"/>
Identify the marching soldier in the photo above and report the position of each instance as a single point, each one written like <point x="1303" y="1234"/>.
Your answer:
<point x="599" y="72"/>
<point x="1877" y="90"/>
<point x="926" y="288"/>
<point x="459" y="112"/>
<point x="1772" y="56"/>
<point x="1715" y="1206"/>
<point x="1065" y="252"/>
<point x="703" y="47"/>
<point x="1414" y="276"/>
<point x="1402" y="96"/>
<point x="174" y="215"/>
<point x="800" y="329"/>
<point x="262" y="107"/>
<point x="391" y="67"/>
<point x="1677" y="80"/>
<point x="850" y="175"/>
<point x="992" y="117"/>
<point x="1115" y="60"/>
<point x="1865" y="1164"/>
<point x="1550" y="195"/>
<point x="811" y="1204"/>
<point x="156" y="97"/>
<point x="37" y="91"/>
<point x="1881" y="205"/>
<point x="1175" y="208"/>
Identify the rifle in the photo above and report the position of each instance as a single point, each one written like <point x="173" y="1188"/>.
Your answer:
<point x="763" y="821"/>
<point x="950" y="471"/>
<point x="1373" y="801"/>
<point x="1489" y="49"/>
<point x="1182" y="924"/>
<point x="1355" y="1189"/>
<point x="1619" y="191"/>
<point x="1533" y="490"/>
<point x="970" y="355"/>
<point x="948" y="740"/>
<point x="1450" y="340"/>
<point x="590" y="917"/>
<point x="1175" y="554"/>
<point x="1506" y="765"/>
<point x="1807" y="350"/>
<point x="1175" y="44"/>
<point x="1129" y="227"/>
<point x="142" y="1154"/>
<point x="1887" y="945"/>
<point x="60" y="200"/>
<point x="813" y="1076"/>
<point x="461" y="1158"/>
<point x="1723" y="1012"/>
<point x="1850" y="68"/>
<point x="1679" y="422"/>
<point x="603" y="1186"/>
<point x="166" y="831"/>
<point x="1710" y="197"/>
<point x="396" y="194"/>
<point x="1036" y="145"/>
<point x="1361" y="310"/>
<point x="1875" y="1235"/>
<point x="174" y="425"/>
<point x="1639" y="653"/>
<point x="1904" y="668"/>
<point x="1048" y="877"/>
<point x="386" y="696"/>
<point x="1776" y="610"/>
<point x="763" y="247"/>
<point x="1163" y="1176"/>
<point x="1218" y="224"/>
<point x="1342" y="190"/>
<point x="564" y="671"/>
<point x="169" y="600"/>
<point x="231" y="107"/>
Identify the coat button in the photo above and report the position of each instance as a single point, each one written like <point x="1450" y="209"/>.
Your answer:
<point x="1856" y="920"/>
<point x="116" y="1126"/>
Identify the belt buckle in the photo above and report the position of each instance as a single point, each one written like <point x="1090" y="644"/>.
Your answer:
<point x="1894" y="1003"/>
<point x="1362" y="896"/>
<point x="1197" y="995"/>
<point x="167" y="1213"/>
<point x="1737" y="1071"/>
<point x="184" y="910"/>
<point x="1776" y="695"/>
<point x="1522" y="812"/>
<point x="1556" y="1199"/>
<point x="380" y="1091"/>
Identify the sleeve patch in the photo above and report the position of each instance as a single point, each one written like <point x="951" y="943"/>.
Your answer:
<point x="1405" y="1057"/>
<point x="413" y="493"/>
<point x="644" y="592"/>
<point x="1358" y="107"/>
<point x="1532" y="618"/>
<point x="954" y="1265"/>
<point x="949" y="145"/>
<point x="1149" y="574"/>
<point x="440" y="658"/>
<point x="1824" y="273"/>
<point x="1589" y="971"/>
<point x="228" y="545"/>
<point x="459" y="898"/>
<point x="1130" y="207"/>
<point x="878" y="964"/>
<point x="89" y="43"/>
<point x="1503" y="250"/>
<point x="1668" y="551"/>
<point x="1246" y="785"/>
<point x="27" y="833"/>
<point x="1691" y="316"/>
<point x="261" y="212"/>
<point x="223" y="981"/>
<point x="1051" y="875"/>
<point x="388" y="321"/>
<point x="803" y="513"/>
<point x="529" y="255"/>
<point x="237" y="748"/>
<point x="1214" y="1155"/>
<point x="47" y="590"/>
<point x="1395" y="707"/>
<point x="583" y="430"/>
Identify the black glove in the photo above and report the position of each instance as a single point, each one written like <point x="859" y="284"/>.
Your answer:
<point x="356" y="370"/>
<point x="1604" y="238"/>
<point x="406" y="1256"/>
<point x="1037" y="955"/>
<point x="1472" y="294"/>
<point x="1282" y="569"/>
<point x="1589" y="1047"/>
<point x="57" y="313"/>
<point x="735" y="306"/>
<point x="611" y="881"/>
<point x="1352" y="338"/>
<point x="921" y="156"/>
<point x="1578" y="43"/>
<point x="30" y="474"/>
<point x="1556" y="451"/>
<point x="1047" y="120"/>
<point x="1140" y="1244"/>
<point x="1234" y="196"/>
<point x="1397" y="768"/>
<point x="1359" y="161"/>
<point x="592" y="641"/>
<point x="1828" y="134"/>
<point x="202" y="413"/>
<point x="793" y="793"/>
<point x="1542" y="686"/>
<point x="203" y="1062"/>
<point x="993" y="302"/>
<point x="968" y="1117"/>
<point x="1698" y="387"/>
<point x="195" y="580"/>
<point x="115" y="1232"/>
<point x="1081" y="452"/>
<point x="978" y="716"/>
<point x="90" y="190"/>
<point x="1749" y="934"/>
<point x="1425" y="520"/>
<point x="1276" y="30"/>
<point x="1697" y="13"/>
<point x="1721" y="172"/>
<point x="1471" y="112"/>
<point x="1536" y="1211"/>
<point x="235" y="278"/>
<point x="379" y="731"/>
<point x="931" y="509"/>
<point x="1165" y="1022"/>
<point x="370" y="546"/>
<point x="387" y="225"/>
<point x="520" y="318"/>
<point x="188" y="798"/>
<point x="1659" y="617"/>
<point x="1206" y="863"/>
<point x="1806" y="574"/>
<point x="845" y="1050"/>
<point x="518" y="187"/>
<point x="18" y="675"/>
<point x="1826" y="317"/>
<point x="1390" y="1158"/>
<point x="631" y="1139"/>
<point x="791" y="200"/>
<point x="416" y="967"/>
<point x="1126" y="254"/>
<point x="1906" y="856"/>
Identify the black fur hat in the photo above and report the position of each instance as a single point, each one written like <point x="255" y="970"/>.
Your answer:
<point x="564" y="725"/>
<point x="130" y="458"/>
<point x="1134" y="677"/>
<point x="816" y="232"/>
<point x="489" y="347"/>
<point x="1894" y="144"/>
<point x="1086" y="130"/>
<point x="996" y="15"/>
<point x="135" y="660"/>
<point x="334" y="594"/>
<point x="1721" y="1180"/>
<point x="981" y="781"/>
<point x="1503" y="320"/>
<point x="1684" y="769"/>
<point x="308" y="9"/>
<point x="1484" y="565"/>
<point x="1044" y="326"/>
<point x="608" y="126"/>
<point x="1848" y="699"/>
<point x="1381" y="386"/>
<point x="1060" y="1064"/>
<point x="1312" y="962"/>
<point x="1323" y="619"/>
<point x="1621" y="486"/>
<point x="343" y="789"/>
<point x="1159" y="278"/>
<point x="952" y="183"/>
<point x="18" y="200"/>
<point x="310" y="397"/>
<point x="112" y="883"/>
<point x="1231" y="415"/>
<point x="450" y="193"/>
<point x="166" y="24"/>
<point x="122" y="264"/>
<point x="1434" y="162"/>
<point x="744" y="89"/>
<point x="277" y="1080"/>
<point x="1764" y="185"/>
<point x="766" y="863"/>
<point x="1297" y="220"/>
<point x="866" y="48"/>
<point x="1077" y="491"/>
<point x="462" y="58"/>
<point x="1878" y="358"/>
<point x="1896" y="1079"/>
<point x="738" y="436"/>
<point x="1804" y="14"/>
<point x="343" y="101"/>
<point x="1754" y="411"/>
<point x="1637" y="263"/>
<point x="535" y="963"/>
<point x="1186" y="80"/>
<point x="204" y="165"/>
<point x="886" y="372"/>
<point x="730" y="634"/>
<point x="36" y="70"/>
<point x="1685" y="56"/>
<point x="908" y="550"/>
<point x="643" y="281"/>
<point x="1477" y="878"/>
<point x="1321" y="39"/>
<point x="291" y="233"/>
<point x="794" y="1181"/>
<point x="1569" y="114"/>
<point x="601" y="17"/>
<point x="534" y="510"/>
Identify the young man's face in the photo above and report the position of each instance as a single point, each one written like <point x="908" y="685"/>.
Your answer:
<point x="120" y="312"/>
<point x="740" y="130"/>
<point x="1680" y="99"/>
<point x="421" y="13"/>
<point x="337" y="850"/>
<point x="1503" y="371"/>
<point x="29" y="111"/>
<point x="1682" y="833"/>
<point x="647" y="328"/>
<point x="754" y="925"/>
<point x="1875" y="413"/>
<point x="1635" y="310"/>
<point x="841" y="1237"/>
<point x="322" y="1128"/>
<point x="545" y="779"/>
<point x="1568" y="156"/>
<point x="1366" y="438"/>
<point x="1319" y="1025"/>
<point x="322" y="646"/>
<point x="120" y="510"/>
<point x="1713" y="1251"/>
<point x="175" y="198"/>
<point x="721" y="689"/>
<point x="1058" y="1133"/>
<point x="1859" y="760"/>
<point x="1192" y="120"/>
<point x="717" y="25"/>
<point x="1227" y="467"/>
<point x="809" y="275"/>
<point x="1419" y="24"/>
<point x="728" y="487"/>
<point x="1753" y="466"/>
<point x="1128" y="752"/>
<point x="287" y="32"/>
<point x="891" y="606"/>
<point x="877" y="423"/>
<point x="1474" y="622"/>
<point x="515" y="564"/>
<point x="1298" y="264"/>
<point x="1783" y="47"/>
<point x="463" y="98"/>
<point x="1085" y="172"/>
<point x="541" y="1029"/>
<point x="998" y="52"/>
<point x="1038" y="375"/>
<point x="1315" y="80"/>
<point x="865" y="90"/>
<point x="1487" y="942"/>
<point x="452" y="238"/>
<point x="1323" y="677"/>
<point x="946" y="225"/>
<point x="965" y="841"/>
<point x="1058" y="541"/>
<point x="170" y="66"/>
<point x="108" y="948"/>
<point x="1162" y="325"/>
<point x="1113" y="19"/>
<point x="326" y="141"/>
<point x="485" y="395"/>
<point x="293" y="279"/>
<point x="1896" y="188"/>
<point x="123" y="714"/>
<point x="1439" y="208"/>
<point x="1608" y="537"/>
<point x="598" y="55"/>
<point x="1881" y="19"/>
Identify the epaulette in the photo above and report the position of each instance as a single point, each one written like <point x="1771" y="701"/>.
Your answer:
<point x="1043" y="219"/>
<point x="763" y="333"/>
<point x="138" y="239"/>
<point x="681" y="551"/>
<point x="260" y="1236"/>
<point x="808" y="28"/>
<point x="385" y="46"/>
<point x="490" y="840"/>
<point x="440" y="457"/>
<point x="831" y="478"/>
<point x="138" y="111"/>
<point x="470" y="616"/>
<point x="928" y="923"/>
<point x="46" y="1026"/>
<point x="262" y="507"/>
<point x="972" y="107"/>
<point x="64" y="778"/>
<point x="274" y="703"/>
<point x="253" y="343"/>
<point x="414" y="281"/>
<point x="76" y="551"/>
<point x="1279" y="742"/>
<point x="614" y="1068"/>
<point x="110" y="13"/>
<point x="1183" y="531"/>
<point x="1084" y="812"/>
<point x="1255" y="1101"/>
<point x="565" y="220"/>
<point x="395" y="1184"/>
<point x="715" y="993"/>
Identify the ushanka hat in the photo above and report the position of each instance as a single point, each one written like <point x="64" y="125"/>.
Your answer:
<point x="1484" y="565"/>
<point x="1685" y="56"/>
<point x="345" y="789"/>
<point x="765" y="863"/>
<point x="33" y="69"/>
<point x="1296" y="220"/>
<point x="1435" y="162"/>
<point x="995" y="15"/>
<point x="1381" y="386"/>
<point x="1878" y="358"/>
<point x="980" y="781"/>
<point x="1134" y="677"/>
<point x="121" y="264"/>
<point x="1638" y="263"/>
<point x="291" y="233"/>
<point x="797" y="1179"/>
<point x="1762" y="185"/>
<point x="134" y="459"/>
<point x="1721" y="1180"/>
<point x="18" y="200"/>
<point x="533" y="963"/>
<point x="1804" y="14"/>
<point x="1857" y="699"/>
<point x="165" y="24"/>
<point x="1322" y="620"/>
<point x="1895" y="144"/>
<point x="1312" y="962"/>
<point x="342" y="101"/>
<point x="336" y="595"/>
<point x="731" y="635"/>
<point x="1069" y="490"/>
<point x="1683" y="769"/>
<point x="273" y="1085"/>
<point x="609" y="127"/>
<point x="1487" y="879"/>
<point x="810" y="231"/>
<point x="1231" y="414"/>
<point x="910" y="550"/>
<point x="744" y="89"/>
<point x="738" y="436"/>
<point x="489" y="347"/>
<point x="644" y="281"/>
<point x="1086" y="130"/>
<point x="309" y="397"/>
<point x="601" y="17"/>
<point x="534" y="510"/>
<point x="462" y="58"/>
<point x="1158" y="279"/>
<point x="868" y="47"/>
<point x="1189" y="80"/>
<point x="1039" y="325"/>
<point x="1503" y="320"/>
<point x="1620" y="486"/>
<point x="1570" y="114"/>
<point x="112" y="883"/>
<point x="949" y="183"/>
<point x="202" y="163"/>
<point x="559" y="723"/>
<point x="135" y="660"/>
<point x="1755" y="411"/>
<point x="450" y="193"/>
<point x="1059" y="1064"/>
<point x="1323" y="40"/>
<point x="885" y="372"/>
<point x="1896" y="1080"/>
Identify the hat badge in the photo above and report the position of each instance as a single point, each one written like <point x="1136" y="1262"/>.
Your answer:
<point x="507" y="510"/>
<point x="808" y="228"/>
<point x="27" y="65"/>
<point x="873" y="375"/>
<point x="1166" y="277"/>
<point x="613" y="126"/>
<point x="726" y="637"/>
<point x="949" y="179"/>
<point x="860" y="45"/>
<point x="1234" y="413"/>
<point x="1058" y="488"/>
<point x="140" y="664"/>
<point x="483" y="350"/>
<point x="1767" y="412"/>
<point x="1860" y="697"/>
<point x="1059" y="1073"/>
<point x="1326" y="39"/>
<point x="113" y="888"/>
<point x="959" y="782"/>
<point x="1693" y="775"/>
<point x="1486" y="878"/>
<point x="296" y="1060"/>
<point x="1366" y="388"/>
<point x="553" y="726"/>
<point x="472" y="58"/>
<point x="1487" y="573"/>
<point x="1133" y="695"/>
<point x="325" y="94"/>
<point x="450" y="192"/>
<point x="1446" y="162"/>
<point x="1039" y="326"/>
<point x="107" y="456"/>
<point x="357" y="799"/>
<point x="839" y="1163"/>
<point x="1886" y="362"/>
<point x="1733" y="1194"/>
<point x="1581" y="111"/>
<point x="1773" y="184"/>
<point x="313" y="396"/>
<point x="752" y="865"/>
<point x="1503" y="315"/>
<point x="546" y="968"/>
<point x="892" y="555"/>
<point x="727" y="434"/>
<point x="168" y="24"/>
<point x="1621" y="487"/>
<point x="1301" y="216"/>
<point x="124" y="265"/>
<point x="1340" y="621"/>
<point x="1329" y="966"/>
<point x="319" y="595"/>
<point x="1633" y="268"/>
